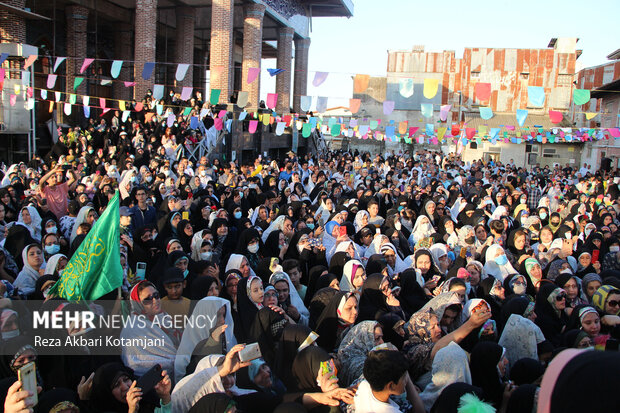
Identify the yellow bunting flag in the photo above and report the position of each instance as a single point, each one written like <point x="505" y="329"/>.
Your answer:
<point x="430" y="88"/>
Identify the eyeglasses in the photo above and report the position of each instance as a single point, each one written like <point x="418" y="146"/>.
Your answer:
<point x="560" y="297"/>
<point x="613" y="303"/>
<point x="154" y="296"/>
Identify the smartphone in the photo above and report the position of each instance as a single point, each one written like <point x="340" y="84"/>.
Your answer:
<point x="378" y="231"/>
<point x="611" y="344"/>
<point x="140" y="271"/>
<point x="328" y="368"/>
<point x="27" y="375"/>
<point x="343" y="231"/>
<point x="149" y="379"/>
<point x="595" y="255"/>
<point x="250" y="352"/>
<point x="436" y="278"/>
<point x="568" y="235"/>
<point x="185" y="215"/>
<point x="314" y="242"/>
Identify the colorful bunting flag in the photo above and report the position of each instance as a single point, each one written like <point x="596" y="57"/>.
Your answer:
<point x="581" y="96"/>
<point x="486" y="113"/>
<point x="321" y="104"/>
<point x="274" y="72"/>
<point x="147" y="70"/>
<point x="51" y="81"/>
<point x="77" y="82"/>
<point x="354" y="105"/>
<point x="360" y="83"/>
<point x="430" y="88"/>
<point x="443" y="112"/>
<point x="521" y="116"/>
<point x="305" y="102"/>
<point x="555" y="116"/>
<point x="87" y="62"/>
<point x="427" y="110"/>
<point x="117" y="65"/>
<point x="186" y="93"/>
<point x="388" y="107"/>
<point x="482" y="91"/>
<point x="59" y="60"/>
<point x="242" y="99"/>
<point x="181" y="71"/>
<point x="158" y="92"/>
<point x="319" y="78"/>
<point x="30" y="60"/>
<point x="272" y="100"/>
<point x="405" y="87"/>
<point x="253" y="74"/>
<point x="535" y="96"/>
<point x="590" y="115"/>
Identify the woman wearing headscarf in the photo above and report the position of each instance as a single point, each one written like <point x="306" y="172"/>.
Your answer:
<point x="292" y="304"/>
<point x="250" y="296"/>
<point x="440" y="258"/>
<point x="239" y="262"/>
<point x="551" y="318"/>
<point x="572" y="285"/>
<point x="488" y="368"/>
<point x="185" y="233"/>
<point x="146" y="305"/>
<point x="294" y="338"/>
<point x="449" y="320"/>
<point x="450" y="365"/>
<point x="266" y="331"/>
<point x="425" y="340"/>
<point x="30" y="218"/>
<point x="59" y="400"/>
<point x="590" y="283"/>
<point x="353" y="350"/>
<point x="497" y="264"/>
<point x="361" y="220"/>
<point x="112" y="392"/>
<point x="393" y="329"/>
<point x="353" y="276"/>
<point x="492" y="291"/>
<point x="337" y="317"/>
<point x="516" y="251"/>
<point x="215" y="340"/>
<point x="87" y="214"/>
<point x="251" y="246"/>
<point x="521" y="338"/>
<point x="32" y="257"/>
<point x="423" y="228"/>
<point x="373" y="302"/>
<point x="412" y="296"/>
<point x="534" y="273"/>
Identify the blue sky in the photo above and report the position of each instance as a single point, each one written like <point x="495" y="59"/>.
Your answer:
<point x="344" y="47"/>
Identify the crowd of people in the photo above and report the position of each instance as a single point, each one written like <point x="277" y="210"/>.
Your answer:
<point x="412" y="281"/>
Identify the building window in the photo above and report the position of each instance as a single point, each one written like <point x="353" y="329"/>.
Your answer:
<point x="524" y="75"/>
<point x="475" y="75"/>
<point x="565" y="80"/>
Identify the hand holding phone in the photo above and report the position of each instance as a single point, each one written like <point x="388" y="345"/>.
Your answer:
<point x="150" y="379"/>
<point x="249" y="353"/>
<point x="27" y="376"/>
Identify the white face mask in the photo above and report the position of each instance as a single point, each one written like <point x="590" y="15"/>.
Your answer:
<point x="614" y="248"/>
<point x="206" y="256"/>
<point x="253" y="248"/>
<point x="6" y="335"/>
<point x="519" y="289"/>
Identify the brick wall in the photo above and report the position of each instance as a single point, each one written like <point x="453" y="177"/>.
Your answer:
<point x="145" y="41"/>
<point x="12" y="26"/>
<point x="184" y="50"/>
<point x="77" y="21"/>
<point x="220" y="53"/>
<point x="123" y="50"/>
<point x="252" y="49"/>
<point x="300" y="81"/>
<point x="283" y="80"/>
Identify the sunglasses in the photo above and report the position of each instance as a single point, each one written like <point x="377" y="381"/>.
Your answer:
<point x="613" y="303"/>
<point x="154" y="296"/>
<point x="560" y="297"/>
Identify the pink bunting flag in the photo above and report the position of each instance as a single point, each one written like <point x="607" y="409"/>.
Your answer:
<point x="104" y="112"/>
<point x="413" y="130"/>
<point x="509" y="127"/>
<point x="222" y="113"/>
<point x="51" y="81"/>
<point x="354" y="105"/>
<point x="129" y="84"/>
<point x="30" y="60"/>
<point x="253" y="74"/>
<point x="29" y="92"/>
<point x="186" y="93"/>
<point x="102" y="103"/>
<point x="443" y="112"/>
<point x="218" y="123"/>
<point x="139" y="107"/>
<point x="12" y="99"/>
<point x="615" y="132"/>
<point x="87" y="62"/>
<point x="272" y="100"/>
<point x="253" y="126"/>
<point x="555" y="116"/>
<point x="470" y="132"/>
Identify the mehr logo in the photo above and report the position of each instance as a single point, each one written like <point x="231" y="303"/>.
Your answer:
<point x="63" y="320"/>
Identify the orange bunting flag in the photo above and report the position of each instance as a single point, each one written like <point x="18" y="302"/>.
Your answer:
<point x="354" y="105"/>
<point x="360" y="83"/>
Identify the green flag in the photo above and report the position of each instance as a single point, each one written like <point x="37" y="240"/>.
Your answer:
<point x="95" y="268"/>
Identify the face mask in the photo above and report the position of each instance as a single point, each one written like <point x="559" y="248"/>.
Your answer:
<point x="185" y="273"/>
<point x="519" y="289"/>
<point x="253" y="248"/>
<point x="543" y="215"/>
<point x="51" y="230"/>
<point x="614" y="248"/>
<point x="467" y="287"/>
<point x="241" y="195"/>
<point x="470" y="240"/>
<point x="203" y="173"/>
<point x="397" y="225"/>
<point x="90" y="151"/>
<point x="52" y="249"/>
<point x="167" y="172"/>
<point x="6" y="335"/>
<point x="501" y="260"/>
<point x="310" y="226"/>
<point x="523" y="201"/>
<point x="237" y="214"/>
<point x="206" y="256"/>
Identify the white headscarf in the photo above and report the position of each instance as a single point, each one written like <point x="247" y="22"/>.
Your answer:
<point x="35" y="225"/>
<point x="421" y="230"/>
<point x="296" y="300"/>
<point x="234" y="263"/>
<point x="346" y="281"/>
<point x="491" y="267"/>
<point x="195" y="245"/>
<point x="206" y="310"/>
<point x="80" y="219"/>
<point x="358" y="219"/>
<point x="437" y="251"/>
<point x="52" y="263"/>
<point x="520" y="338"/>
<point x="277" y="224"/>
<point x="28" y="276"/>
<point x="450" y="365"/>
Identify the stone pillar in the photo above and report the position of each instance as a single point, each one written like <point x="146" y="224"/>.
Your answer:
<point x="184" y="39"/>
<point x="300" y="86"/>
<point x="12" y="26"/>
<point x="77" y="21"/>
<point x="221" y="50"/>
<point x="284" y="61"/>
<point x="123" y="50"/>
<point x="145" y="41"/>
<point x="252" y="50"/>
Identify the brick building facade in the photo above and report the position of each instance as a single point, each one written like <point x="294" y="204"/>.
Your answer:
<point x="219" y="39"/>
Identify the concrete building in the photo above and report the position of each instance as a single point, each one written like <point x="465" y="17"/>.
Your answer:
<point x="509" y="71"/>
<point x="221" y="40"/>
<point x="604" y="83"/>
